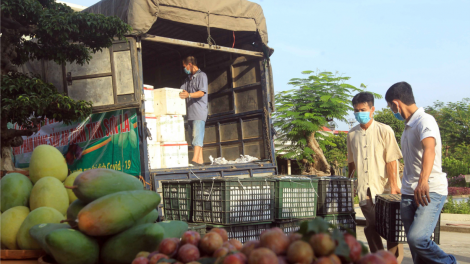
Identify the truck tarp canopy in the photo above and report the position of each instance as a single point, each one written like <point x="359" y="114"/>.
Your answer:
<point x="232" y="15"/>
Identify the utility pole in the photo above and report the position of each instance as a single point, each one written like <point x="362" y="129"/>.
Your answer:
<point x="351" y="123"/>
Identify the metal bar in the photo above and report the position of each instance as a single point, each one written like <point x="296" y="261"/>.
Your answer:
<point x="268" y="142"/>
<point x="200" y="45"/>
<point x="113" y="73"/>
<point x="138" y="82"/>
<point x="108" y="108"/>
<point x="91" y="76"/>
<point x="213" y="118"/>
<point x="228" y="170"/>
<point x="218" y="139"/>
<point x="144" y="163"/>
<point x="240" y="134"/>
<point x="246" y="87"/>
<point x="221" y="114"/>
<point x="231" y="142"/>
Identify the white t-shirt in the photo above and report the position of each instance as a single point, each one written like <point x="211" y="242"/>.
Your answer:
<point x="421" y="126"/>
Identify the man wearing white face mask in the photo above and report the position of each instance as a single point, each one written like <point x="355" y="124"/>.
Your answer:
<point x="424" y="190"/>
<point x="373" y="153"/>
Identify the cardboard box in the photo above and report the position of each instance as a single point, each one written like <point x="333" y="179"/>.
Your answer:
<point x="168" y="102"/>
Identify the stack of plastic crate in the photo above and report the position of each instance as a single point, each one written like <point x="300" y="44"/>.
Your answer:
<point x="336" y="201"/>
<point x="243" y="207"/>
<point x="176" y="199"/>
<point x="388" y="219"/>
<point x="295" y="201"/>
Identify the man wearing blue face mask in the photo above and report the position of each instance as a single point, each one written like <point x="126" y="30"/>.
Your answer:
<point x="424" y="189"/>
<point x="195" y="94"/>
<point x="373" y="153"/>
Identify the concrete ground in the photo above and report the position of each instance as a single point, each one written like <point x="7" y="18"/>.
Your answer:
<point x="457" y="244"/>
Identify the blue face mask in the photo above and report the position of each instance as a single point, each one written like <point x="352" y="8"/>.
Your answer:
<point x="398" y="116"/>
<point x="362" y="117"/>
<point x="187" y="71"/>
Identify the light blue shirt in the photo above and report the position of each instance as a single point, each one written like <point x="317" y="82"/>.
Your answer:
<point x="197" y="107"/>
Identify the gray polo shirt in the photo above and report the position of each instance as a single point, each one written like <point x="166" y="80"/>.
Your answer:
<point x="197" y="107"/>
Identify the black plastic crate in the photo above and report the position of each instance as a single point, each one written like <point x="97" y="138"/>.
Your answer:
<point x="342" y="221"/>
<point x="388" y="219"/>
<point x="243" y="232"/>
<point x="290" y="226"/>
<point x="228" y="201"/>
<point x="177" y="200"/>
<point x="335" y="195"/>
<point x="200" y="228"/>
<point x="296" y="197"/>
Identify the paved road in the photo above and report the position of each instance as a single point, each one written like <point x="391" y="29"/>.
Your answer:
<point x="457" y="244"/>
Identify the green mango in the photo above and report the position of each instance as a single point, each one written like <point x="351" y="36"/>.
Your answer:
<point x="149" y="218"/>
<point x="15" y="191"/>
<point x="10" y="225"/>
<point x="49" y="192"/>
<point x="47" y="161"/>
<point x="123" y="247"/>
<point x="39" y="233"/>
<point x="93" y="184"/>
<point x="72" y="212"/>
<point x="116" y="212"/>
<point x="68" y="183"/>
<point x="174" y="228"/>
<point x="70" y="246"/>
<point x="41" y="215"/>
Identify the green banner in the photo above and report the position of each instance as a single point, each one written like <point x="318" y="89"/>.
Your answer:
<point x="106" y="140"/>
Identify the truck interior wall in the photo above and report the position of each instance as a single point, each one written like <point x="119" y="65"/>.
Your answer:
<point x="237" y="122"/>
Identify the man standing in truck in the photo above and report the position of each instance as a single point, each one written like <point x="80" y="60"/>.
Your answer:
<point x="195" y="94"/>
<point x="373" y="153"/>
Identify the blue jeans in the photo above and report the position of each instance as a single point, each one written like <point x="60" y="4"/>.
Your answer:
<point x="419" y="223"/>
<point x="199" y="127"/>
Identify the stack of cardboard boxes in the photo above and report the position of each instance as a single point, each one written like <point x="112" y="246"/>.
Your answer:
<point x="167" y="147"/>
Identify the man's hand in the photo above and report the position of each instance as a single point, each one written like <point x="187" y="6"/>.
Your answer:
<point x="184" y="94"/>
<point x="395" y="190"/>
<point x="422" y="193"/>
<point x="429" y="154"/>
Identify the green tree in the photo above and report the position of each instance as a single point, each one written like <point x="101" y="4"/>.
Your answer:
<point x="44" y="30"/>
<point x="302" y="112"/>
<point x="386" y="116"/>
<point x="454" y="122"/>
<point x="336" y="151"/>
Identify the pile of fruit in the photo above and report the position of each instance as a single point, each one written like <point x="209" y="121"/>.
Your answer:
<point x="105" y="217"/>
<point x="314" y="243"/>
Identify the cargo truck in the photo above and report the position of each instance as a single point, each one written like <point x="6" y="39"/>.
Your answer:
<point x="229" y="39"/>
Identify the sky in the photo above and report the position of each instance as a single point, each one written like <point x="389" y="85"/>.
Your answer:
<point x="378" y="43"/>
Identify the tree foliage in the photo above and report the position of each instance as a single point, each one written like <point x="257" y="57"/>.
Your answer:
<point x="386" y="116"/>
<point x="336" y="151"/>
<point x="28" y="101"/>
<point x="303" y="111"/>
<point x="453" y="120"/>
<point x="55" y="33"/>
<point x="45" y="30"/>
